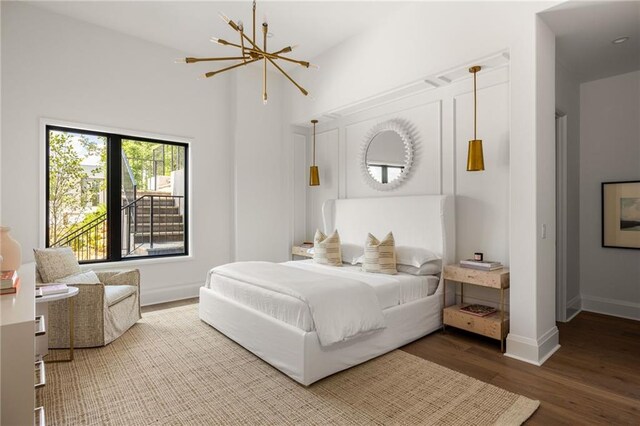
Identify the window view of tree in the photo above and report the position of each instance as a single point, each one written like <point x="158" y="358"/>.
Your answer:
<point x="77" y="184"/>
<point x="151" y="187"/>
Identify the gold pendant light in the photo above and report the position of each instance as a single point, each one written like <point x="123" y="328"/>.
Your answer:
<point x="250" y="53"/>
<point x="314" y="175"/>
<point x="475" y="158"/>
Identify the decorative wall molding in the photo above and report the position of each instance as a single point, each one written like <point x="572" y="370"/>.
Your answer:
<point x="443" y="121"/>
<point x="430" y="82"/>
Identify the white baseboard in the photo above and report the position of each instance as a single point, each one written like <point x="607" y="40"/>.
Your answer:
<point x="616" y="308"/>
<point x="533" y="351"/>
<point x="573" y="315"/>
<point x="169" y="294"/>
<point x="574" y="305"/>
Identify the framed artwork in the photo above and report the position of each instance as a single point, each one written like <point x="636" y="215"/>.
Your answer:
<point x="621" y="214"/>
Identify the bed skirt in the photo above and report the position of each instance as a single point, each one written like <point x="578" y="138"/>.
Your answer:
<point x="298" y="353"/>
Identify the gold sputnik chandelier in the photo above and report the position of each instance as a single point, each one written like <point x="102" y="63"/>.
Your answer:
<point x="250" y="52"/>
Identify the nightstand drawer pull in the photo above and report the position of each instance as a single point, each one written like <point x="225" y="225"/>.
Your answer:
<point x="41" y="328"/>
<point x="42" y="377"/>
<point x="38" y="413"/>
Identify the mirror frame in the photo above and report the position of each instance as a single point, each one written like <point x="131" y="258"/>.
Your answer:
<point x="403" y="130"/>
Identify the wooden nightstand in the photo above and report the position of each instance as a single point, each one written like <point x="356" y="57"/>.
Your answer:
<point x="300" y="251"/>
<point x="495" y="325"/>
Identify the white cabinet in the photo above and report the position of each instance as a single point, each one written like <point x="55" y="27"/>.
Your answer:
<point x="17" y="351"/>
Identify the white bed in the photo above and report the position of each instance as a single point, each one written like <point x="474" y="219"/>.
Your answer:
<point x="280" y="330"/>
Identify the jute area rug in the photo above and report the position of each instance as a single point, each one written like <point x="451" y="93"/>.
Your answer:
<point x="171" y="368"/>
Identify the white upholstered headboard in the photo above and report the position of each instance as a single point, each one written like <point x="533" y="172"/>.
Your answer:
<point x="426" y="221"/>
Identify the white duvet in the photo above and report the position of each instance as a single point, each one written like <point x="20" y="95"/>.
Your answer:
<point x="341" y="308"/>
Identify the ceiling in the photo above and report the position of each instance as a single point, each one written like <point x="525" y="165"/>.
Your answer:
<point x="187" y="26"/>
<point x="584" y="34"/>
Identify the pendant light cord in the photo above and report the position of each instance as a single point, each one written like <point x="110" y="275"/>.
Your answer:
<point x="475" y="106"/>
<point x="314" y="144"/>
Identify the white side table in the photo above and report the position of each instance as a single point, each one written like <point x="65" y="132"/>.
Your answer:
<point x="44" y="300"/>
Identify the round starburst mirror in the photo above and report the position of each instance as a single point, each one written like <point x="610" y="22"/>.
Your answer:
<point x="387" y="155"/>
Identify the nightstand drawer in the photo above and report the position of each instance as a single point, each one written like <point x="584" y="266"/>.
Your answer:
<point x="495" y="279"/>
<point x="300" y="251"/>
<point x="489" y="326"/>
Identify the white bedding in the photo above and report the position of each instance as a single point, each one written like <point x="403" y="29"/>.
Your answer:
<point x="342" y="307"/>
<point x="391" y="290"/>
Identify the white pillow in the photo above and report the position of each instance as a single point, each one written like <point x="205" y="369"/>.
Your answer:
<point x="88" y="277"/>
<point x="433" y="267"/>
<point x="415" y="256"/>
<point x="351" y="253"/>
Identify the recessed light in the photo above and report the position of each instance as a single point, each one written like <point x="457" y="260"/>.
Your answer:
<point x="620" y="40"/>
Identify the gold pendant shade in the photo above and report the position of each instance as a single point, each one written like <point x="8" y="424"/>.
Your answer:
<point x="314" y="176"/>
<point x="475" y="157"/>
<point x="314" y="173"/>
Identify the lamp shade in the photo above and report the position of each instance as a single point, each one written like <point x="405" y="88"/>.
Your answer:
<point x="314" y="176"/>
<point x="475" y="158"/>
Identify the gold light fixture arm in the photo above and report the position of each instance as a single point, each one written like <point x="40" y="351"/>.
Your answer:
<point x="273" y="55"/>
<point x="304" y="92"/>
<point x="212" y="73"/>
<point x="231" y="58"/>
<point x="242" y="43"/>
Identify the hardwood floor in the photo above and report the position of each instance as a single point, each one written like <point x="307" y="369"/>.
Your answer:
<point x="594" y="378"/>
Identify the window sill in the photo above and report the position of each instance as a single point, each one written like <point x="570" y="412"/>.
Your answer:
<point x="123" y="264"/>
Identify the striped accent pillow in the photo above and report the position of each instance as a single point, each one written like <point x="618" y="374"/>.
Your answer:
<point x="326" y="250"/>
<point x="380" y="256"/>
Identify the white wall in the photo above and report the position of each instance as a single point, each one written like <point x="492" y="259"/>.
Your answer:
<point x="354" y="71"/>
<point x="299" y="184"/>
<point x="545" y="185"/>
<point x="61" y="68"/>
<point x="609" y="151"/>
<point x="262" y="187"/>
<point x="568" y="103"/>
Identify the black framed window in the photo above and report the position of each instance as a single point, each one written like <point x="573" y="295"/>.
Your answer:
<point x="113" y="197"/>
